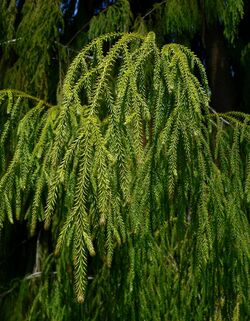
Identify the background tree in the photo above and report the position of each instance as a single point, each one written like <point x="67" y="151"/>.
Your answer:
<point x="130" y="165"/>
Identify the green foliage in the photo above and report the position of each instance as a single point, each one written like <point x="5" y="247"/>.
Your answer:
<point x="7" y="19"/>
<point x="116" y="18"/>
<point x="181" y="16"/>
<point x="34" y="57"/>
<point x="33" y="43"/>
<point x="178" y="17"/>
<point x="188" y="16"/>
<point x="146" y="192"/>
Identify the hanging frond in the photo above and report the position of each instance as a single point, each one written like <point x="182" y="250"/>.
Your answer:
<point x="145" y="190"/>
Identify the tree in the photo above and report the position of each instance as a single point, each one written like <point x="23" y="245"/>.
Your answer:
<point x="143" y="188"/>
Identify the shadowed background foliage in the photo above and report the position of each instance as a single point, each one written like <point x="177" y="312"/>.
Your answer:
<point x="217" y="31"/>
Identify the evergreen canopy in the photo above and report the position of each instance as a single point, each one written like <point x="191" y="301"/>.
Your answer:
<point x="144" y="188"/>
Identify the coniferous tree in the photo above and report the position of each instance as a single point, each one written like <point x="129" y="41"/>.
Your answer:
<point x="144" y="190"/>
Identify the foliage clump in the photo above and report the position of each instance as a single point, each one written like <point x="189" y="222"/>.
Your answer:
<point x="145" y="189"/>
